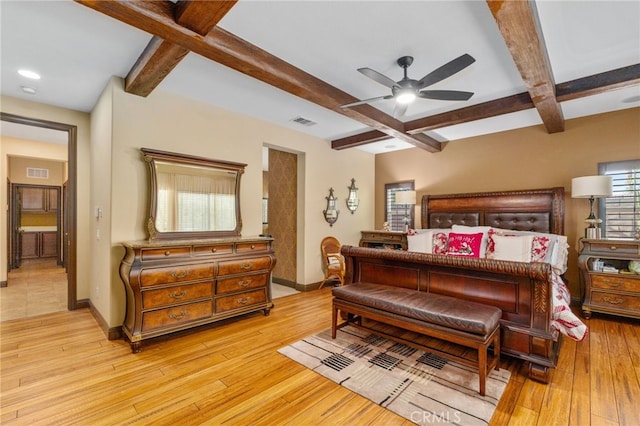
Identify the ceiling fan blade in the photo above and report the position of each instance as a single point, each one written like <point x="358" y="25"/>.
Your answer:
<point x="376" y="76"/>
<point x="399" y="110"/>
<point x="445" y="95"/>
<point x="447" y="70"/>
<point x="366" y="101"/>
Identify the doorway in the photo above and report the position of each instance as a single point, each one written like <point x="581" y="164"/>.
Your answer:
<point x="67" y="200"/>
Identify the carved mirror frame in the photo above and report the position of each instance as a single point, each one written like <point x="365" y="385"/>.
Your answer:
<point x="152" y="157"/>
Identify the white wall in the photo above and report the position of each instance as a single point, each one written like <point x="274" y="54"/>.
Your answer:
<point x="169" y="122"/>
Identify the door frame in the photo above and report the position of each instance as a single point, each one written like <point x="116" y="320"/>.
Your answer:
<point x="70" y="209"/>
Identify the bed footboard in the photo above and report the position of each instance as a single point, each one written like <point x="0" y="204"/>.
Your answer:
<point x="521" y="290"/>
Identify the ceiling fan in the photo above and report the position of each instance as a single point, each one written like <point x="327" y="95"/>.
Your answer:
<point x="407" y="89"/>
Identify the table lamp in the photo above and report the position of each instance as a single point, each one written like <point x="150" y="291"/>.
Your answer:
<point x="407" y="198"/>
<point x="592" y="187"/>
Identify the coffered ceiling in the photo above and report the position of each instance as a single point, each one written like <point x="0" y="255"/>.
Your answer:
<point x="540" y="62"/>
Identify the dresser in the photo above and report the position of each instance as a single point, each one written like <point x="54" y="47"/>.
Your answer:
<point x="610" y="288"/>
<point x="173" y="285"/>
<point x="393" y="240"/>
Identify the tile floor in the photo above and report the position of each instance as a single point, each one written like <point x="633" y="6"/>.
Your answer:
<point x="39" y="286"/>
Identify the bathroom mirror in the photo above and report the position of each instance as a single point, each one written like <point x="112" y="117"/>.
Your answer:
<point x="192" y="197"/>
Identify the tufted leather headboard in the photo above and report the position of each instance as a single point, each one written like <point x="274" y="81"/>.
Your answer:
<point x="539" y="210"/>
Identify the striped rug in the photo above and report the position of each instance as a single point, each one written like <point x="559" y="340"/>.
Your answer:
<point x="419" y="386"/>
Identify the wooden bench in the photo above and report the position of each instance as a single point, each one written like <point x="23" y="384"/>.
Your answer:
<point x="463" y="322"/>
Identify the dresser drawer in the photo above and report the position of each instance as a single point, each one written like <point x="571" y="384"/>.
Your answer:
<point x="177" y="294"/>
<point x="165" y="253"/>
<point x="174" y="274"/>
<point x="232" y="285"/>
<point x="176" y="315"/>
<point x="243" y="266"/>
<point x="616" y="282"/>
<point x="212" y="250"/>
<point x="239" y="301"/>
<point x="249" y="247"/>
<point x="615" y="300"/>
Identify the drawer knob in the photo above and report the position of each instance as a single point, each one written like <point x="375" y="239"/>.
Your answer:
<point x="246" y="266"/>
<point x="179" y="316"/>
<point x="178" y="275"/>
<point x="167" y="253"/>
<point x="244" y="283"/>
<point x="616" y="301"/>
<point x="176" y="295"/>
<point x="213" y="250"/>
<point x="252" y="246"/>
<point x="243" y="301"/>
<point x="613" y="248"/>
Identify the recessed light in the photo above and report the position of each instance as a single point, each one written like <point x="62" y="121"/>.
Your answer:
<point x="29" y="90"/>
<point x="29" y="74"/>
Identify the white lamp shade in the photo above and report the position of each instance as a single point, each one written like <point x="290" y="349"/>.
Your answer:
<point x="406" y="197"/>
<point x="591" y="186"/>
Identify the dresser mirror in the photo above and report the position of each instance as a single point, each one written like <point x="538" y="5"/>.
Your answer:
<point x="192" y="197"/>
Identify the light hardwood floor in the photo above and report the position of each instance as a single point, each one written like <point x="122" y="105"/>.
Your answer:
<point x="58" y="369"/>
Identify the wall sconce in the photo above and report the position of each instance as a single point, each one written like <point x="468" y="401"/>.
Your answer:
<point x="592" y="187"/>
<point x="353" y="201"/>
<point x="331" y="213"/>
<point x="408" y="198"/>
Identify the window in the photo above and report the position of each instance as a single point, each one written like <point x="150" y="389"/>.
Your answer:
<point x="621" y="213"/>
<point x="396" y="215"/>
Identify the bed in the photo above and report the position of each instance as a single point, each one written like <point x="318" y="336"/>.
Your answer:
<point x="532" y="295"/>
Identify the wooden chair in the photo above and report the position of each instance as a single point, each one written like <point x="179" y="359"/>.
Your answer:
<point x="333" y="260"/>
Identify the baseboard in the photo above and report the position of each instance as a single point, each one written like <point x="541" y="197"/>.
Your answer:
<point x="296" y="286"/>
<point x="3" y="283"/>
<point x="112" y="333"/>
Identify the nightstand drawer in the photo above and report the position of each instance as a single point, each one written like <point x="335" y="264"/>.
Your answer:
<point x="615" y="300"/>
<point x="616" y="282"/>
<point x="614" y="248"/>
<point x="178" y="294"/>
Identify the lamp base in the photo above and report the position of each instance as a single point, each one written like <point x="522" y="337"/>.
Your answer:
<point x="592" y="233"/>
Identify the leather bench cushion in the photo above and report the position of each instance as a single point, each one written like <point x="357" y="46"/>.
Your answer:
<point x="460" y="314"/>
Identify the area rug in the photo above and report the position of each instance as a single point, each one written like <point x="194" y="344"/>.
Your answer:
<point x="417" y="385"/>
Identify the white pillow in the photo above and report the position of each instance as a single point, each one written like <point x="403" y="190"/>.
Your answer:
<point x="514" y="248"/>
<point x="463" y="229"/>
<point x="421" y="242"/>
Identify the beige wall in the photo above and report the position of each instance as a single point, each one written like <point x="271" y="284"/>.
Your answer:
<point x="18" y="165"/>
<point x="519" y="159"/>
<point x="18" y="148"/>
<point x="168" y="122"/>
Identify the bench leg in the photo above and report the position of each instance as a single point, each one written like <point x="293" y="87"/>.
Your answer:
<point x="334" y="322"/>
<point x="496" y="350"/>
<point x="482" y="368"/>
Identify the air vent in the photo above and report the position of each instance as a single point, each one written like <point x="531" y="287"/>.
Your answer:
<point x="35" y="173"/>
<point x="303" y="121"/>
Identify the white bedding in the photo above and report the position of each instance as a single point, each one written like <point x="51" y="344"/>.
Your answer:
<point x="556" y="253"/>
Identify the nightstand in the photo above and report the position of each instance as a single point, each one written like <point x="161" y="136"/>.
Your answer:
<point x="612" y="290"/>
<point x="394" y="240"/>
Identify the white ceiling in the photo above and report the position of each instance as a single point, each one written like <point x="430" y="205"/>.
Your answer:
<point x="77" y="50"/>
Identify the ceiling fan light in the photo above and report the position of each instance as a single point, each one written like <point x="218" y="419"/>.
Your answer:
<point x="406" y="97"/>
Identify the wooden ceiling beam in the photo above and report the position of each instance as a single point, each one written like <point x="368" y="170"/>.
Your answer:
<point x="574" y="89"/>
<point x="157" y="18"/>
<point x="160" y="57"/>
<point x="518" y="22"/>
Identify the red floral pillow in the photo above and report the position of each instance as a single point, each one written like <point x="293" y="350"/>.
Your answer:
<point x="539" y="246"/>
<point x="440" y="240"/>
<point x="464" y="244"/>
